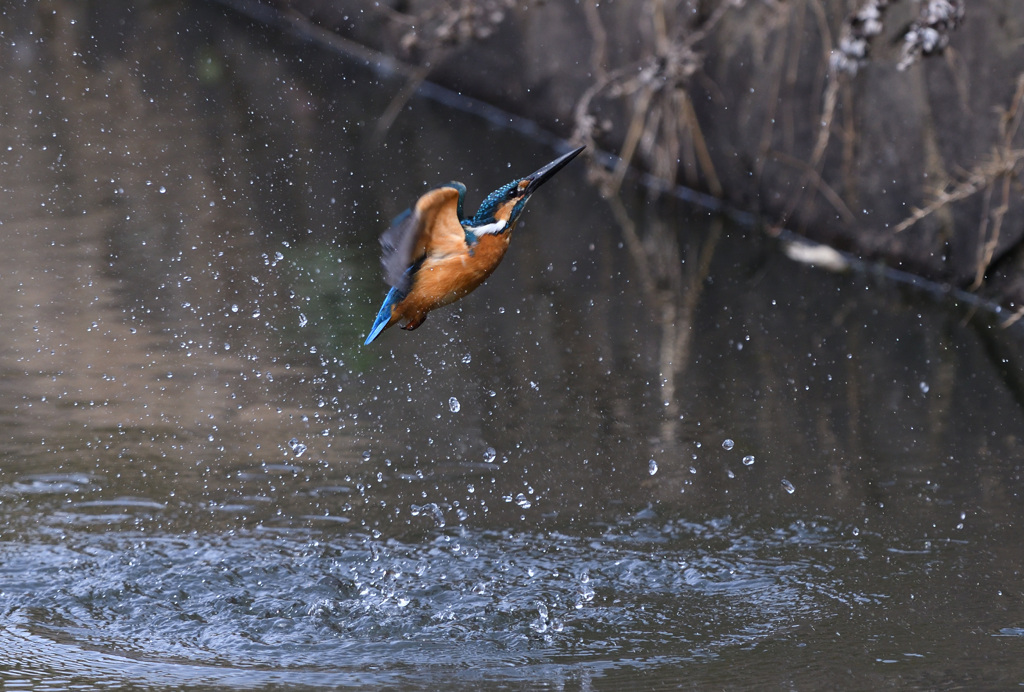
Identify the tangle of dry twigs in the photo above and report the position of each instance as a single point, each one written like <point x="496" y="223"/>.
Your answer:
<point x="663" y="125"/>
<point x="996" y="175"/>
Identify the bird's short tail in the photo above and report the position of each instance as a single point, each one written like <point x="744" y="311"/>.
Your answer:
<point x="383" y="320"/>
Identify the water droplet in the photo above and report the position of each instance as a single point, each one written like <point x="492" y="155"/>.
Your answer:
<point x="788" y="487"/>
<point x="584" y="591"/>
<point x="728" y="444"/>
<point x="467" y="358"/>
<point x="541" y="625"/>
<point x="490" y="454"/>
<point x="924" y="387"/>
<point x="454" y="405"/>
<point x="303" y="320"/>
<point x="748" y="460"/>
<point x="431" y="509"/>
<point x="523" y="501"/>
<point x="652" y="467"/>
<point x="730" y="474"/>
<point x="297" y="447"/>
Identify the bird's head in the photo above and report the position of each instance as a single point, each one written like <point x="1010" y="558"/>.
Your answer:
<point x="501" y="209"/>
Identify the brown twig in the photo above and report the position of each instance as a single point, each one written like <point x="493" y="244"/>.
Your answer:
<point x="812" y="177"/>
<point x="434" y="33"/>
<point x="1002" y="163"/>
<point x="662" y="122"/>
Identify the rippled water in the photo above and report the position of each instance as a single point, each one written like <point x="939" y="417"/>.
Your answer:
<point x="296" y="609"/>
<point x="650" y="451"/>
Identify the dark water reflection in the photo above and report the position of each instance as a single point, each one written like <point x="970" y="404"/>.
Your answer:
<point x="655" y="452"/>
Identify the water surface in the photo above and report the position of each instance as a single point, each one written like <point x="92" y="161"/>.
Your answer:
<point x="651" y="450"/>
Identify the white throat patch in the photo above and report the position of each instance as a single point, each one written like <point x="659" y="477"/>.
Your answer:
<point x="496" y="227"/>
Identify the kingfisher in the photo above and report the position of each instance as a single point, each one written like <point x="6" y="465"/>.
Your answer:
<point x="432" y="255"/>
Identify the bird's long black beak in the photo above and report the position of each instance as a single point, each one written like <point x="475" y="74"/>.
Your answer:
<point x="541" y="176"/>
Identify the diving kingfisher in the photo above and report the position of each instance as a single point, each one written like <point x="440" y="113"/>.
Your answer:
<point x="432" y="256"/>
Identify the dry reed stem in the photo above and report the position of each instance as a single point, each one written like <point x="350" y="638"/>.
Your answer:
<point x="1013" y="318"/>
<point x="978" y="178"/>
<point x="813" y="168"/>
<point x="662" y="123"/>
<point x="1009" y="126"/>
<point x="813" y="178"/>
<point x="437" y="32"/>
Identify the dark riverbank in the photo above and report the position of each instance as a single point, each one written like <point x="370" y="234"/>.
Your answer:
<point x="891" y="133"/>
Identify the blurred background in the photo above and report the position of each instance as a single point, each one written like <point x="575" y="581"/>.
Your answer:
<point x="658" y="447"/>
<point x="887" y="128"/>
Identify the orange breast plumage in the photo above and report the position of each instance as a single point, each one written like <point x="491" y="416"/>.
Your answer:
<point x="441" y="281"/>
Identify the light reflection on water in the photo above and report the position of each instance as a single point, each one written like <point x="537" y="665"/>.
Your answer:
<point x="205" y="479"/>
